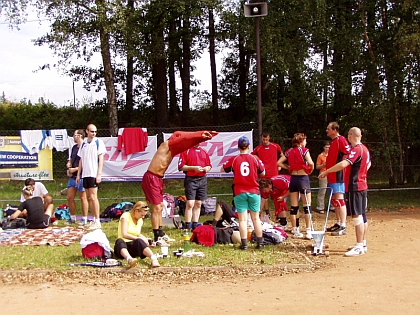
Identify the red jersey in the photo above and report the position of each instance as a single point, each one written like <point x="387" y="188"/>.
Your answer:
<point x="280" y="186"/>
<point x="246" y="168"/>
<point x="269" y="154"/>
<point x="338" y="148"/>
<point x="356" y="173"/>
<point x="196" y="156"/>
<point x="133" y="139"/>
<point x="296" y="159"/>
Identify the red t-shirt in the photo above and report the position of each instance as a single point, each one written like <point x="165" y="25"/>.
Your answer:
<point x="355" y="175"/>
<point x="280" y="186"/>
<point x="296" y="159"/>
<point x="246" y="168"/>
<point x="269" y="154"/>
<point x="338" y="148"/>
<point x="194" y="157"/>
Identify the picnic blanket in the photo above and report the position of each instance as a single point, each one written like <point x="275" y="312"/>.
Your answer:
<point x="49" y="236"/>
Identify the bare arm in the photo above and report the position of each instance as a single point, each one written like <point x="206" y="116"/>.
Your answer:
<point x="100" y="166"/>
<point x="281" y="162"/>
<point x="337" y="167"/>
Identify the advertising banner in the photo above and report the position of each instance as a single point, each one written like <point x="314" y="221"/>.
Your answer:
<point x="18" y="165"/>
<point x="121" y="167"/>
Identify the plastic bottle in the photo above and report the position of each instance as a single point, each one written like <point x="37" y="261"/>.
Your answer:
<point x="186" y="237"/>
<point x="249" y="233"/>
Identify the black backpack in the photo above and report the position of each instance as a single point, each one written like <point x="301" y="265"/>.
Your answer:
<point x="17" y="223"/>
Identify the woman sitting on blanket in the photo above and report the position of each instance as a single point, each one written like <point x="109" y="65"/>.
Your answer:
<point x="33" y="210"/>
<point x="131" y="243"/>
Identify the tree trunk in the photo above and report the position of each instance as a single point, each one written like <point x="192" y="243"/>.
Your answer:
<point x="186" y="71"/>
<point x="173" y="47"/>
<point x="129" y="102"/>
<point x="214" y="94"/>
<point x="108" y="71"/>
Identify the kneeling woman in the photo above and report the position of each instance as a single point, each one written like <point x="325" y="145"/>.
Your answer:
<point x="131" y="243"/>
<point x="33" y="209"/>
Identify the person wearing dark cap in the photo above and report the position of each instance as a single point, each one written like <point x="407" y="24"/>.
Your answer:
<point x="246" y="168"/>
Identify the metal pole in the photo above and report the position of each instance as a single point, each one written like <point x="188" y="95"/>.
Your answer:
<point x="259" y="97"/>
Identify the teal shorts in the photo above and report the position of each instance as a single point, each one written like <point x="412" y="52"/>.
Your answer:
<point x="247" y="201"/>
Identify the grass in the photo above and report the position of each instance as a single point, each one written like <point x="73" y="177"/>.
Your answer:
<point x="57" y="258"/>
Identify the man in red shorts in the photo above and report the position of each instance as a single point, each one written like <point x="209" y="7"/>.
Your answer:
<point x="338" y="148"/>
<point x="269" y="153"/>
<point x="357" y="163"/>
<point x="152" y="182"/>
<point x="277" y="187"/>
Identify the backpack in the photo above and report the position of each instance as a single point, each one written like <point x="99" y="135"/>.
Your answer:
<point x="17" y="223"/>
<point x="110" y="212"/>
<point x="209" y="205"/>
<point x="271" y="236"/>
<point x="62" y="213"/>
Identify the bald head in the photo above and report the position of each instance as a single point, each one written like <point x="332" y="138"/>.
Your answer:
<point x="354" y="135"/>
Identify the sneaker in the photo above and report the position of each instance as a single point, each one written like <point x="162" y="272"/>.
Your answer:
<point x="296" y="233"/>
<point x="161" y="241"/>
<point x="177" y="221"/>
<point x="333" y="228"/>
<point x="308" y="235"/>
<point x="94" y="225"/>
<point x="364" y="248"/>
<point x="154" y="263"/>
<point x="132" y="262"/>
<point x="243" y="247"/>
<point x="341" y="231"/>
<point x="355" y="251"/>
<point x="82" y="222"/>
<point x="260" y="246"/>
<point x="167" y="239"/>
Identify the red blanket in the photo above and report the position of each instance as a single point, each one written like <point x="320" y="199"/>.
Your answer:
<point x="49" y="236"/>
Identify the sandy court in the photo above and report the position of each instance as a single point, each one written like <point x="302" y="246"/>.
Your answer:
<point x="384" y="281"/>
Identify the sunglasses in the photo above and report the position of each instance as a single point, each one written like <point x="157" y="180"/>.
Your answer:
<point x="93" y="131"/>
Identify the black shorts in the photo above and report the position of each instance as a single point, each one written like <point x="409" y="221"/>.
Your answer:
<point x="195" y="187"/>
<point x="90" y="182"/>
<point x="40" y="225"/>
<point x="300" y="183"/>
<point x="356" y="202"/>
<point x="135" y="248"/>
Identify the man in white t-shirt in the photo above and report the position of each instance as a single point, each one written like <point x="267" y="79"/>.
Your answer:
<point x="91" y="162"/>
<point x="39" y="191"/>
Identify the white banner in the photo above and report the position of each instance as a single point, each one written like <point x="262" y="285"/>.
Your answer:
<point x="120" y="167"/>
<point x="220" y="149"/>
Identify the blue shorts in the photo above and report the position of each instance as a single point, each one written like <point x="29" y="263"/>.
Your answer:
<point x="337" y="188"/>
<point x="72" y="183"/>
<point x="300" y="183"/>
<point x="247" y="201"/>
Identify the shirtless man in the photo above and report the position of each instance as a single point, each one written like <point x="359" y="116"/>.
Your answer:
<point x="152" y="182"/>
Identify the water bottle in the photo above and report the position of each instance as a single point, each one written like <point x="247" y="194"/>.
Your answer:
<point x="186" y="237"/>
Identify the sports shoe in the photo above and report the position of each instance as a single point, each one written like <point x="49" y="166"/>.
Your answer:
<point x="167" y="239"/>
<point x="308" y="235"/>
<point x="132" y="262"/>
<point x="82" y="222"/>
<point x="355" y="251"/>
<point x="259" y="246"/>
<point x="341" y="231"/>
<point x="177" y="221"/>
<point x="161" y="241"/>
<point x="296" y="233"/>
<point x="243" y="247"/>
<point x="94" y="225"/>
<point x="364" y="248"/>
<point x="333" y="228"/>
<point x="154" y="263"/>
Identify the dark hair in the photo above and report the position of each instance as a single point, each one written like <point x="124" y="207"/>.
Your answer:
<point x="29" y="181"/>
<point x="335" y="126"/>
<point x="298" y="139"/>
<point x="327" y="142"/>
<point x="264" y="183"/>
<point x="265" y="134"/>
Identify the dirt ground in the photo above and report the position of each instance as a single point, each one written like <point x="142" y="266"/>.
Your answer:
<point x="386" y="280"/>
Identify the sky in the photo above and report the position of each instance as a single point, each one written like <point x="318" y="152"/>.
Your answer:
<point x="20" y="58"/>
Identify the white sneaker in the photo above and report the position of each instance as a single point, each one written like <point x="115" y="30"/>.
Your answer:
<point x="296" y="233"/>
<point x="355" y="251"/>
<point x="364" y="248"/>
<point x="308" y="234"/>
<point x="166" y="238"/>
<point x="95" y="225"/>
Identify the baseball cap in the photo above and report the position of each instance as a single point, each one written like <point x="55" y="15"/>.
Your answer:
<point x="242" y="139"/>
